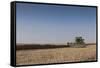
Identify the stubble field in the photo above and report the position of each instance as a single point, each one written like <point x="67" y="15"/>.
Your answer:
<point x="55" y="55"/>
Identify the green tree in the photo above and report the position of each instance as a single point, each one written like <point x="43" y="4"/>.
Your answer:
<point x="79" y="40"/>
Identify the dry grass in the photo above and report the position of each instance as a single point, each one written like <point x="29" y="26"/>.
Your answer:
<point x="56" y="55"/>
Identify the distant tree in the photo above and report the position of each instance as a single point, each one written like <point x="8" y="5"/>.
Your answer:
<point x="68" y="44"/>
<point x="79" y="40"/>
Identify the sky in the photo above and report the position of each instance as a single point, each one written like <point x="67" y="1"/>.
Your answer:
<point x="54" y="24"/>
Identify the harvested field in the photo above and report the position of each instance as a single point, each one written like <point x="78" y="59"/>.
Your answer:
<point x="55" y="55"/>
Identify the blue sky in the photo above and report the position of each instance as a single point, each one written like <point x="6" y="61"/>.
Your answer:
<point x="38" y="23"/>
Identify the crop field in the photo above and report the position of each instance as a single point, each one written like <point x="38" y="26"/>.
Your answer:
<point x="55" y="55"/>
